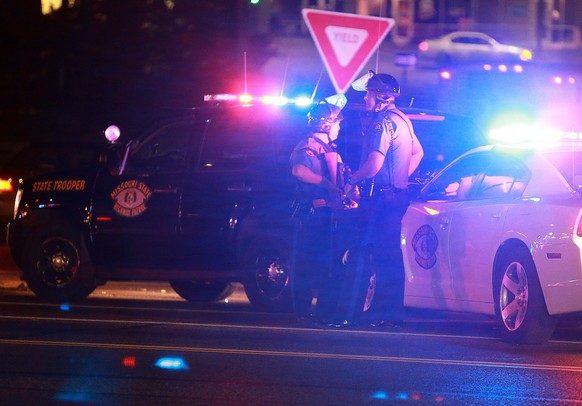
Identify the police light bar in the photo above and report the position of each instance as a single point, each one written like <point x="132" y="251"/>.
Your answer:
<point x="425" y="117"/>
<point x="221" y="97"/>
<point x="276" y="100"/>
<point x="247" y="99"/>
<point x="531" y="135"/>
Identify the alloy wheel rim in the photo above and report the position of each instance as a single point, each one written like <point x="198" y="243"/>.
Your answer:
<point x="58" y="263"/>
<point x="271" y="276"/>
<point x="513" y="298"/>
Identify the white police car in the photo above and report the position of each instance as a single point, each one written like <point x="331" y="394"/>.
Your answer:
<point x="470" y="46"/>
<point x="499" y="232"/>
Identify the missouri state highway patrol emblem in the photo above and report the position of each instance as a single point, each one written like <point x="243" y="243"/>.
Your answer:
<point x="130" y="198"/>
<point x="425" y="244"/>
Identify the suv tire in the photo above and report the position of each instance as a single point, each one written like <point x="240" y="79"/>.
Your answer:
<point x="52" y="265"/>
<point x="266" y="278"/>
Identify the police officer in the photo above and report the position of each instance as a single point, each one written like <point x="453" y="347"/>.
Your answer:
<point x="390" y="154"/>
<point x="316" y="167"/>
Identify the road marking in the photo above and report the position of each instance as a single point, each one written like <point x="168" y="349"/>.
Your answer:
<point x="315" y="330"/>
<point x="293" y="354"/>
<point x="134" y="308"/>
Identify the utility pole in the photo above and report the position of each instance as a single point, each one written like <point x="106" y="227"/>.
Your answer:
<point x="540" y="23"/>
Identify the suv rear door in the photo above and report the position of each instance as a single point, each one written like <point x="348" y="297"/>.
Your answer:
<point x="240" y="169"/>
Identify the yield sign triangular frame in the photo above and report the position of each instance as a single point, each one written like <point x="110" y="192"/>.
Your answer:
<point x="345" y="41"/>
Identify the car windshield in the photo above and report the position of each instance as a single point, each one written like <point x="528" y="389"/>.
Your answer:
<point x="569" y="163"/>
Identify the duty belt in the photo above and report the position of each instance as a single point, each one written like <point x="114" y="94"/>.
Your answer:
<point x="388" y="188"/>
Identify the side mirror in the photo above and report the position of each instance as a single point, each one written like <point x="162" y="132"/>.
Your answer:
<point x="111" y="157"/>
<point x="414" y="190"/>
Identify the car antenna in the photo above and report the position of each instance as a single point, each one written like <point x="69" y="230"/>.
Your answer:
<point x="245" y="70"/>
<point x="285" y="76"/>
<point x="380" y="14"/>
<point x="317" y="84"/>
<point x="411" y="101"/>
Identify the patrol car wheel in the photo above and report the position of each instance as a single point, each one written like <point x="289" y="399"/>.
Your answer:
<point x="266" y="281"/>
<point x="52" y="266"/>
<point x="202" y="292"/>
<point x="519" y="302"/>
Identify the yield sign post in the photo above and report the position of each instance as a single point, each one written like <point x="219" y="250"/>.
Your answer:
<point x="345" y="41"/>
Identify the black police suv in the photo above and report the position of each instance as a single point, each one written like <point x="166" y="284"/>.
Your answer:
<point x="201" y="199"/>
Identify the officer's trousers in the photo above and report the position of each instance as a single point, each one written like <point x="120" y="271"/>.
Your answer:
<point x="312" y="262"/>
<point x="374" y="253"/>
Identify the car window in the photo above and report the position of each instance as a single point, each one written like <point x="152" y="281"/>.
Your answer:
<point x="456" y="182"/>
<point x="164" y="150"/>
<point x="470" y="40"/>
<point x="504" y="177"/>
<point x="569" y="163"/>
<point x="235" y="143"/>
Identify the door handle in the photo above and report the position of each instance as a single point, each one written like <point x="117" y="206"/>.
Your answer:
<point x="168" y="189"/>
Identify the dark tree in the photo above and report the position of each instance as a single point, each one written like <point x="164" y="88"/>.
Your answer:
<point x="76" y="70"/>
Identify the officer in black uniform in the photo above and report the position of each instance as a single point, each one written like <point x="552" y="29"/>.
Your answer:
<point x="390" y="153"/>
<point x="316" y="166"/>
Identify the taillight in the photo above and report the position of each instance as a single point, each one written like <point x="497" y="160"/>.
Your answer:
<point x="579" y="226"/>
<point x="6" y="185"/>
<point x="423" y="46"/>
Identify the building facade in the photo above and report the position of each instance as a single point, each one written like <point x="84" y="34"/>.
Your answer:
<point x="539" y="24"/>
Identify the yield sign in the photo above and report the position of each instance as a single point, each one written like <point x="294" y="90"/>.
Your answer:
<point x="345" y="41"/>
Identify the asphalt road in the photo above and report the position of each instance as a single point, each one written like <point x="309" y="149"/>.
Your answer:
<point x="140" y="343"/>
<point x="114" y="351"/>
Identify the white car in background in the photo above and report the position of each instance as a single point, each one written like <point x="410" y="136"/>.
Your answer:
<point x="499" y="232"/>
<point x="469" y="46"/>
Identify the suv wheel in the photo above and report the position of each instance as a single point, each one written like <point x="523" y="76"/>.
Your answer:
<point x="266" y="280"/>
<point x="202" y="292"/>
<point x="52" y="265"/>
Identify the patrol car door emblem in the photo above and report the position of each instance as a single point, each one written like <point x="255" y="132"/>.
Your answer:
<point x="425" y="244"/>
<point x="130" y="198"/>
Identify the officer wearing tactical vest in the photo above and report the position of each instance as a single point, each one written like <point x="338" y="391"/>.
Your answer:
<point x="317" y="167"/>
<point x="390" y="154"/>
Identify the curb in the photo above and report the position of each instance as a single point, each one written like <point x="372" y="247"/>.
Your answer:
<point x="10" y="280"/>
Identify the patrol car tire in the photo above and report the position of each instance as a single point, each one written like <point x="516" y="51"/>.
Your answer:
<point x="519" y="302"/>
<point x="52" y="265"/>
<point x="202" y="292"/>
<point x="266" y="278"/>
